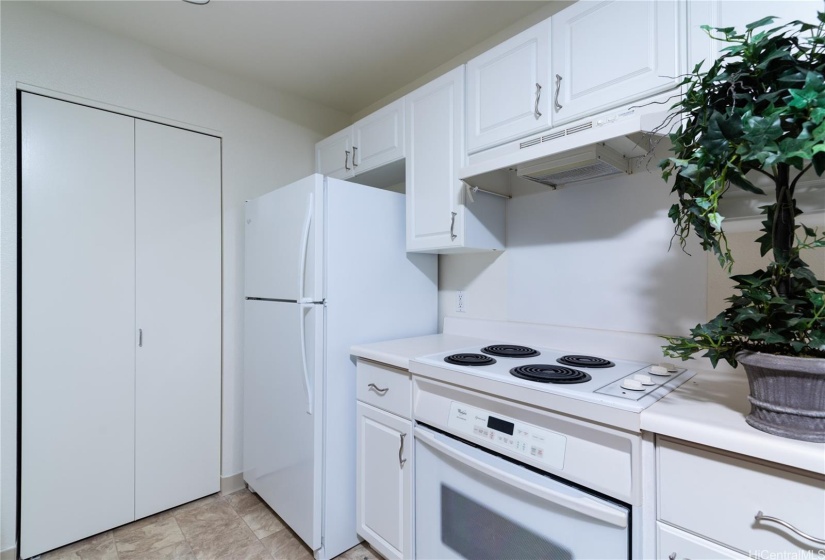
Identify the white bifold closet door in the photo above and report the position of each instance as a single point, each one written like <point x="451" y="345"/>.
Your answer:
<point x="121" y="320"/>
<point x="78" y="323"/>
<point x="178" y="382"/>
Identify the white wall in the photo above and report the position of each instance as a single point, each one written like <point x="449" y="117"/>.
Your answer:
<point x="268" y="140"/>
<point x="591" y="254"/>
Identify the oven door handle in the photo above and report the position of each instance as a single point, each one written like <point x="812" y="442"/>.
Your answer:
<point x="583" y="505"/>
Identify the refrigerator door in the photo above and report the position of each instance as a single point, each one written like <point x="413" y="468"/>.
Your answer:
<point x="284" y="242"/>
<point x="283" y="454"/>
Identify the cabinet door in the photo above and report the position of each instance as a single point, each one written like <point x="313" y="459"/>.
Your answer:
<point x="333" y="155"/>
<point x="508" y="90"/>
<point x="434" y="116"/>
<point x="384" y="483"/>
<point x="737" y="13"/>
<point x="178" y="378"/>
<point x="609" y="53"/>
<point x="78" y="322"/>
<point x="379" y="138"/>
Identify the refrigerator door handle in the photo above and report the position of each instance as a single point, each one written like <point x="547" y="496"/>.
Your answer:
<point x="305" y="248"/>
<point x="303" y="301"/>
<point x="301" y="308"/>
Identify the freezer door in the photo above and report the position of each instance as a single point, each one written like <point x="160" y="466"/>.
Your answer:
<point x="284" y="242"/>
<point x="283" y="391"/>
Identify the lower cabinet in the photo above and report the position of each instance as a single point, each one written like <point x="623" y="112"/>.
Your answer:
<point x="710" y="504"/>
<point x="385" y="460"/>
<point x="384" y="484"/>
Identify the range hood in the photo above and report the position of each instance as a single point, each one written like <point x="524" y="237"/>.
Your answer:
<point x="596" y="147"/>
<point x="590" y="162"/>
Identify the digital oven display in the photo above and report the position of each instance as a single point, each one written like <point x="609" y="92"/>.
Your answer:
<point x="500" y="425"/>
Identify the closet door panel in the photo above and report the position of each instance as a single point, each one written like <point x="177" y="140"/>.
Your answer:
<point x="178" y="385"/>
<point x="78" y="322"/>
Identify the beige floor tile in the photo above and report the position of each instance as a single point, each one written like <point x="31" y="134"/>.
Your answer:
<point x="98" y="547"/>
<point x="147" y="536"/>
<point x="263" y="521"/>
<point x="177" y="551"/>
<point x="244" y="500"/>
<point x="284" y="545"/>
<point x="234" y="542"/>
<point x="360" y="552"/>
<point x="212" y="498"/>
<point x="208" y="520"/>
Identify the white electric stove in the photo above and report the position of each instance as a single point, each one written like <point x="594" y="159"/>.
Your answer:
<point x="533" y="452"/>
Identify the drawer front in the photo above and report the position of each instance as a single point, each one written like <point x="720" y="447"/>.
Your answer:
<point x="385" y="387"/>
<point x="674" y="544"/>
<point x="718" y="496"/>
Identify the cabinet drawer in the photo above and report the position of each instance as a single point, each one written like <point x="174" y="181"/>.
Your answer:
<point x="678" y="545"/>
<point x="717" y="496"/>
<point x="385" y="387"/>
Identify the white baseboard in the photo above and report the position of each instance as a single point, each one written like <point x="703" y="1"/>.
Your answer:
<point x="9" y="554"/>
<point x="229" y="484"/>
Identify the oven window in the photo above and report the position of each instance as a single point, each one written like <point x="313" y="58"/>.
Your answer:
<point x="474" y="531"/>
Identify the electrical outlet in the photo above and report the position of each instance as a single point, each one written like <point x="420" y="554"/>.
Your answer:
<point x="460" y="302"/>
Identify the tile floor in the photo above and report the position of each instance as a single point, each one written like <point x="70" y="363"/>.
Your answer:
<point x="238" y="526"/>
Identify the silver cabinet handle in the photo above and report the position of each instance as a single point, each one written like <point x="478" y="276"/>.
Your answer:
<point x="558" y="88"/>
<point x="378" y="389"/>
<point x="354" y="153"/>
<point x="346" y="161"/>
<point x="672" y="556"/>
<point x="401" y="452"/>
<point x="452" y="227"/>
<point x="538" y="96"/>
<point x="760" y="517"/>
<point x="140" y="338"/>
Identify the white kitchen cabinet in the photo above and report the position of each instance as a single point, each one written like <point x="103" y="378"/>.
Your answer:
<point x="716" y="496"/>
<point x="120" y="309"/>
<point x="737" y="13"/>
<point x="439" y="219"/>
<point x="674" y="544"/>
<point x="384" y="506"/>
<point x="508" y="89"/>
<point x="375" y="140"/>
<point x="609" y="53"/>
<point x="333" y="155"/>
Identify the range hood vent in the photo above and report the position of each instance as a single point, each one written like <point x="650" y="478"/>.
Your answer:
<point x="590" y="162"/>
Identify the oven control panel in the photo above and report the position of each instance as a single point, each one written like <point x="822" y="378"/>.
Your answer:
<point x="500" y="432"/>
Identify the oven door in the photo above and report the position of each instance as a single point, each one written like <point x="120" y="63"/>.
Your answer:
<point x="470" y="503"/>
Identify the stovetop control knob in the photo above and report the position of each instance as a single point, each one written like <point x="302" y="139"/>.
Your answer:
<point x="632" y="384"/>
<point x="668" y="366"/>
<point x="644" y="379"/>
<point x="658" y="370"/>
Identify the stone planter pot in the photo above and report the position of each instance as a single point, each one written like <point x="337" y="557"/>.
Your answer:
<point x="787" y="395"/>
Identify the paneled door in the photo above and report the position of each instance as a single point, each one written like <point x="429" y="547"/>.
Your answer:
<point x="609" y="53"/>
<point x="508" y="88"/>
<point x="178" y="376"/>
<point x="78" y="322"/>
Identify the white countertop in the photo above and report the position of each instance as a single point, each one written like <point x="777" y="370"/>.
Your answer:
<point x="710" y="410"/>
<point x="399" y="352"/>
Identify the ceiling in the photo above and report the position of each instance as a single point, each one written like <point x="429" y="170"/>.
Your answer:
<point x="343" y="54"/>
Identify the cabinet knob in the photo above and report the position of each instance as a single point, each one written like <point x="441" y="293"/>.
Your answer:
<point x="671" y="556"/>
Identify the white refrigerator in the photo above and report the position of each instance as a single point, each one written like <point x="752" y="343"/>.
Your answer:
<point x="325" y="268"/>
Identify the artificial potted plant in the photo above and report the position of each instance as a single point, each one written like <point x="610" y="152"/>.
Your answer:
<point x="759" y="109"/>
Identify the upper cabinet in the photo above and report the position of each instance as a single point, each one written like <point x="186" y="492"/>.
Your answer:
<point x="375" y="140"/>
<point x="724" y="13"/>
<point x="438" y="220"/>
<point x="508" y="90"/>
<point x="605" y="54"/>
